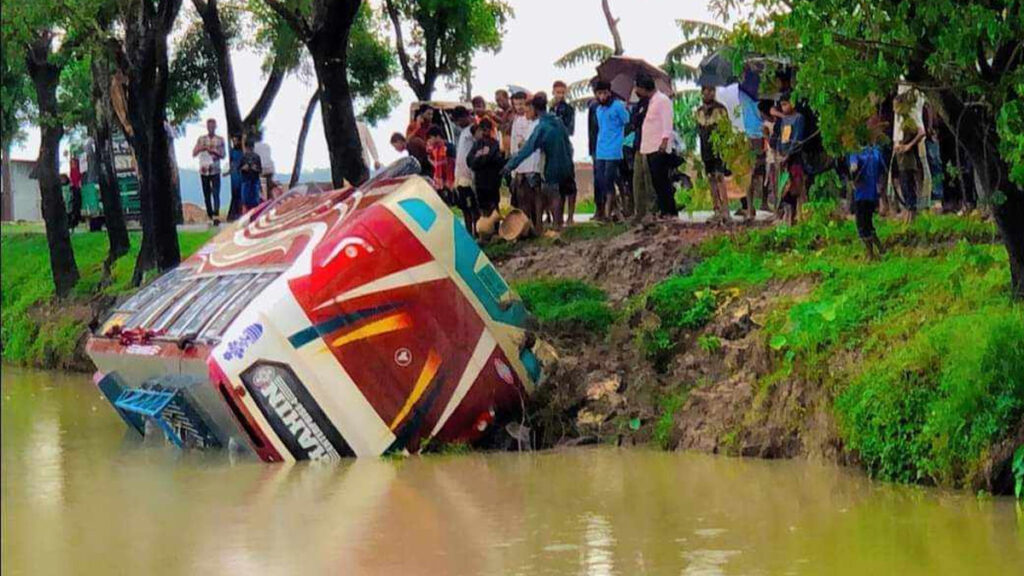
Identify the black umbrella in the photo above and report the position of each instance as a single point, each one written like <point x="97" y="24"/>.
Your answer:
<point x="621" y="73"/>
<point x="716" y="69"/>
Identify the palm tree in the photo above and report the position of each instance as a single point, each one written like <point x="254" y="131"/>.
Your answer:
<point x="699" y="38"/>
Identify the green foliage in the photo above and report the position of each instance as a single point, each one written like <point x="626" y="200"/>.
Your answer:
<point x="696" y="198"/>
<point x="74" y="94"/>
<point x="699" y="38"/>
<point x="36" y="330"/>
<point x="371" y="65"/>
<point x="192" y="79"/>
<point x="668" y="406"/>
<point x="683" y="105"/>
<point x="16" y="98"/>
<point x="848" y="56"/>
<point x="709" y="343"/>
<point x="1018" y="473"/>
<point x="449" y="32"/>
<point x="930" y="410"/>
<point x="586" y="54"/>
<point x="1011" y="135"/>
<point x="567" y="305"/>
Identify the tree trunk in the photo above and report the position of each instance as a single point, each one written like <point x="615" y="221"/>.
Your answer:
<point x="214" y="29"/>
<point x="424" y="89"/>
<point x="145" y="51"/>
<point x="329" y="49"/>
<point x="975" y="126"/>
<point x="300" y="149"/>
<point x="110" y="192"/>
<point x="6" y="188"/>
<point x="254" y="119"/>
<point x="613" y="25"/>
<point x="1009" y="216"/>
<point x="172" y="167"/>
<point x="45" y="77"/>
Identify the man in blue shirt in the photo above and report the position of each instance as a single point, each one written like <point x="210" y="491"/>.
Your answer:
<point x="868" y="173"/>
<point x="612" y="118"/>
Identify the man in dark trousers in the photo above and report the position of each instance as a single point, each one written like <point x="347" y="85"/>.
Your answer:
<point x="565" y="112"/>
<point x="210" y="150"/>
<point x="656" y="145"/>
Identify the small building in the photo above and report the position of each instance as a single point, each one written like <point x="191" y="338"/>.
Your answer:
<point x="24" y="202"/>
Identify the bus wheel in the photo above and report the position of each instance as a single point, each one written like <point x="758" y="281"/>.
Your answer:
<point x="95" y="224"/>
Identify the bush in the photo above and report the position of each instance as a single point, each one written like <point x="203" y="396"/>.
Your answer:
<point x="930" y="410"/>
<point x="567" y="305"/>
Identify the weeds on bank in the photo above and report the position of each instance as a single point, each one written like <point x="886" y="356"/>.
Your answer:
<point x="668" y="407"/>
<point x="567" y="306"/>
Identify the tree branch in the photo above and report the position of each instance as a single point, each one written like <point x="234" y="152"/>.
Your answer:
<point x="613" y="25"/>
<point x="403" y="57"/>
<point x="261" y="108"/>
<point x="983" y="65"/>
<point x="292" y="17"/>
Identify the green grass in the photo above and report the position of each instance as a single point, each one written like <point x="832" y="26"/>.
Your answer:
<point x="36" y="330"/>
<point x="923" y="350"/>
<point x="669" y="406"/>
<point x="567" y="305"/>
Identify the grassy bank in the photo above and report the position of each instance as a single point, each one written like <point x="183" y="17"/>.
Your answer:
<point x="922" y="352"/>
<point x="920" y="355"/>
<point x="36" y="329"/>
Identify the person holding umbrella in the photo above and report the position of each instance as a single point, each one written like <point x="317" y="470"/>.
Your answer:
<point x="656" y="145"/>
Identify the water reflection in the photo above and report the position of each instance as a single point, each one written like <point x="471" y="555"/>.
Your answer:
<point x="78" y="498"/>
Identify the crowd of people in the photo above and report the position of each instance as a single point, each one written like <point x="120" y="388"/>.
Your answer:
<point x="523" y="142"/>
<point x="250" y="167"/>
<point x="787" y="155"/>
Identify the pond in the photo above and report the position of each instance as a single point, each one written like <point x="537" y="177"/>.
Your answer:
<point x="82" y="496"/>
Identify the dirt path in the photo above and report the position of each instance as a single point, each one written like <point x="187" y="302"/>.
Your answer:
<point x="622" y="265"/>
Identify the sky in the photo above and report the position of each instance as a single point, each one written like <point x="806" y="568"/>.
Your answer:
<point x="540" y="32"/>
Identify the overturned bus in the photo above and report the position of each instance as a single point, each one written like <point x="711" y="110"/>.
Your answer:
<point x="353" y="322"/>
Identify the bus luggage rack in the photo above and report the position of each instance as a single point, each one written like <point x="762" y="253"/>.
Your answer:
<point x="170" y="410"/>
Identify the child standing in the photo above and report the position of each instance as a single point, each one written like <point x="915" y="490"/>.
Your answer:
<point x="867" y="172"/>
<point x="442" y="158"/>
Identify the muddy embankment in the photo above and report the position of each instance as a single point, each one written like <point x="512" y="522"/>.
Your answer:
<point x="602" y="388"/>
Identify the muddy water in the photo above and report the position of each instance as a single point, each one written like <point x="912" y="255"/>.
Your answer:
<point x="81" y="498"/>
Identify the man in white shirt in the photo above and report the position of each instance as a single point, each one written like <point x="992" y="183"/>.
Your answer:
<point x="526" y="178"/>
<point x="465" y="196"/>
<point x="210" y="150"/>
<point x="262" y="149"/>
